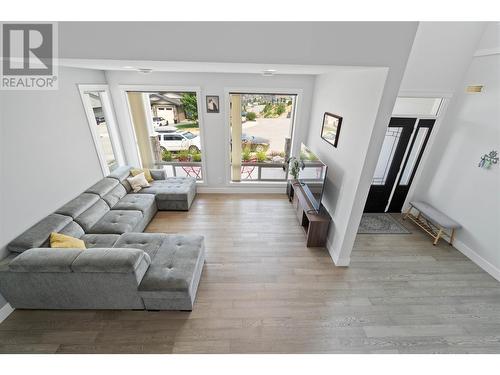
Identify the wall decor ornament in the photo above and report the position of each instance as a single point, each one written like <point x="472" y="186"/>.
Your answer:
<point x="487" y="160"/>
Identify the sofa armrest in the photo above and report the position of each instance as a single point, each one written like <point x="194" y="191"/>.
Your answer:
<point x="45" y="260"/>
<point x="158" y="174"/>
<point x="114" y="260"/>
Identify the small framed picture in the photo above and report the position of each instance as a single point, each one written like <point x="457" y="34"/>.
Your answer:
<point x="331" y="128"/>
<point x="212" y="104"/>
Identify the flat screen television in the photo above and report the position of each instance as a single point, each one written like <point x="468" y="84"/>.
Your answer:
<point x="312" y="176"/>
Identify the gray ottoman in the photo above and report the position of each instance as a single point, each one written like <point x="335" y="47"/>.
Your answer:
<point x="172" y="279"/>
<point x="173" y="193"/>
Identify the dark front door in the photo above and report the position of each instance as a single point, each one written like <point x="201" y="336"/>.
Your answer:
<point x="418" y="143"/>
<point x="396" y="140"/>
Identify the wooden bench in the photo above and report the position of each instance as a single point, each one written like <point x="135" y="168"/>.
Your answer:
<point x="432" y="221"/>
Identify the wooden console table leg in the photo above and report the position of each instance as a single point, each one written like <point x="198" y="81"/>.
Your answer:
<point x="407" y="213"/>
<point x="438" y="236"/>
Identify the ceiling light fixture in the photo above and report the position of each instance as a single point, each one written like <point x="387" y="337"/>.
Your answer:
<point x="145" y="70"/>
<point x="268" y="72"/>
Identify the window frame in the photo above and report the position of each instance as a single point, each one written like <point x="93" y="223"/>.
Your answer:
<point x="295" y="143"/>
<point x="109" y="118"/>
<point x="124" y="89"/>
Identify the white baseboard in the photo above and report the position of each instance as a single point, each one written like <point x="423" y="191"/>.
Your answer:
<point x="339" y="262"/>
<point x="5" y="311"/>
<point x="242" y="190"/>
<point x="476" y="258"/>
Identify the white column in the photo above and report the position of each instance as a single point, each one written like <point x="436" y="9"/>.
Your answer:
<point x="236" y="137"/>
<point x="140" y="121"/>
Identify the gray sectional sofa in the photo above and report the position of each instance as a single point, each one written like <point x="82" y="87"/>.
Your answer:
<point x="121" y="268"/>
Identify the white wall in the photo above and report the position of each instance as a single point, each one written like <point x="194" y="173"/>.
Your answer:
<point x="356" y="97"/>
<point x="47" y="152"/>
<point x="214" y="125"/>
<point x="440" y="55"/>
<point x="490" y="39"/>
<point x="48" y="155"/>
<point x="451" y="181"/>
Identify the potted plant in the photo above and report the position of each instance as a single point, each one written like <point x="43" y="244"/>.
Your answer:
<point x="294" y="166"/>
<point x="245" y="155"/>
<point x="184" y="156"/>
<point x="261" y="156"/>
<point x="166" y="155"/>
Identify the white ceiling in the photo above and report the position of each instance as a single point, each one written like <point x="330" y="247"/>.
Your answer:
<point x="318" y="44"/>
<point x="440" y="56"/>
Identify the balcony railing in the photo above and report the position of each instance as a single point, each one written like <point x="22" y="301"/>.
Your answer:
<point x="250" y="171"/>
<point x="182" y="169"/>
<point x="263" y="171"/>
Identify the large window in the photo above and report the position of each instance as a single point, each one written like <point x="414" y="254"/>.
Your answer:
<point x="103" y="126"/>
<point x="261" y="133"/>
<point x="167" y="131"/>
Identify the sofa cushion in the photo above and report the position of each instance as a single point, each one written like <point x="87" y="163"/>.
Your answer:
<point x="103" y="187"/>
<point x="118" y="222"/>
<point x="174" y="264"/>
<point x="147" y="173"/>
<point x="58" y="240"/>
<point x="138" y="202"/>
<point x="39" y="233"/>
<point x="99" y="240"/>
<point x="117" y="193"/>
<point x="138" y="182"/>
<point x="78" y="205"/>
<point x="158" y="174"/>
<point x="148" y="242"/>
<point x="90" y="217"/>
<point x="172" y="188"/>
<point x="110" y="260"/>
<point x="121" y="174"/>
<point x="73" y="229"/>
<point x="45" y="260"/>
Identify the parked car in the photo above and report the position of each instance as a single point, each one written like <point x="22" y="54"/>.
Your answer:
<point x="159" y="121"/>
<point x="165" y="129"/>
<point x="100" y="119"/>
<point x="180" y="141"/>
<point x="255" y="143"/>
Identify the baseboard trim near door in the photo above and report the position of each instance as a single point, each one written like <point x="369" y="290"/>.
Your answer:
<point x="476" y="258"/>
<point x="242" y="190"/>
<point x="339" y="262"/>
<point x="5" y="311"/>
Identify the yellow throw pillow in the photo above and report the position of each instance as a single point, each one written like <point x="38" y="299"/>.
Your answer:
<point x="147" y="173"/>
<point x="62" y="241"/>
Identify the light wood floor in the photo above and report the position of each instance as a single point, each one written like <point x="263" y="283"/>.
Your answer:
<point x="263" y="291"/>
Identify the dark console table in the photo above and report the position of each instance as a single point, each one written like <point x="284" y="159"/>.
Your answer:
<point x="315" y="224"/>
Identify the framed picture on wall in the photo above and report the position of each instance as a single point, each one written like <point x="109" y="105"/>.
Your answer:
<point x="330" y="130"/>
<point x="212" y="104"/>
